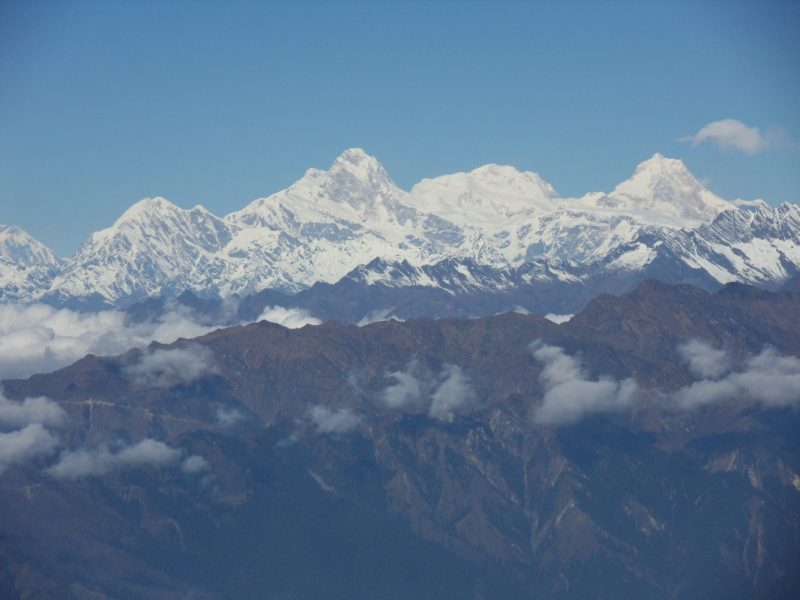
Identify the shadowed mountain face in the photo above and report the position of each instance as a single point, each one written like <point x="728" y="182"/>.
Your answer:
<point x="427" y="459"/>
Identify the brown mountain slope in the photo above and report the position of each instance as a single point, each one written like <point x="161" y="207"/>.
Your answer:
<point x="318" y="487"/>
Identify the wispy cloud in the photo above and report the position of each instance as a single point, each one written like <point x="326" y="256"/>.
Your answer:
<point x="293" y="318"/>
<point x="569" y="394"/>
<point x="384" y="314"/>
<point x="28" y="443"/>
<point x="730" y="133"/>
<point x="165" y="368"/>
<point x="768" y="378"/>
<point x="328" y="421"/>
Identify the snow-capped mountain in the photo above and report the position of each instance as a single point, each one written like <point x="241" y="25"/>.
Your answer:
<point x="330" y="222"/>
<point x="25" y="264"/>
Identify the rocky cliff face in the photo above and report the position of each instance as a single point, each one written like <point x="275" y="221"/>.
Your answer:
<point x="633" y="451"/>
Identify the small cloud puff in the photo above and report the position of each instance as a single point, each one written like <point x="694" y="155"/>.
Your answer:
<point x="769" y="378"/>
<point x="26" y="444"/>
<point x="100" y="461"/>
<point x="195" y="464"/>
<point x="328" y="421"/>
<point x="228" y="417"/>
<point x="569" y="394"/>
<point x="169" y="367"/>
<point x="730" y="133"/>
<point x="293" y="318"/>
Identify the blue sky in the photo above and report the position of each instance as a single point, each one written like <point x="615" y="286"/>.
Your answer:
<point x="219" y="103"/>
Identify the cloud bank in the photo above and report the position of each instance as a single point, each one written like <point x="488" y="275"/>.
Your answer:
<point x="569" y="394"/>
<point x="558" y="319"/>
<point x="768" y="378"/>
<point x="166" y="368"/>
<point x="40" y="339"/>
<point x="730" y="133"/>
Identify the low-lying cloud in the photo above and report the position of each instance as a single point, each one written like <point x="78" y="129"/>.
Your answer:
<point x="26" y="444"/>
<point x="768" y="378"/>
<point x="31" y="410"/>
<point x="730" y="133"/>
<point x="328" y="421"/>
<point x="293" y="318"/>
<point x="228" y="417"/>
<point x="101" y="461"/>
<point x="39" y="338"/>
<point x="569" y="394"/>
<point x="168" y="367"/>
<point x="453" y="392"/>
<point x="408" y="392"/>
<point x="416" y="386"/>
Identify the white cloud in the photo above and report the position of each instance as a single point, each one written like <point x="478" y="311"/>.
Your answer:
<point x="407" y="392"/>
<point x="39" y="339"/>
<point x="327" y="421"/>
<point x="24" y="445"/>
<point x="100" y="461"/>
<point x="768" y="378"/>
<point x="704" y="360"/>
<point x="165" y="368"/>
<point x="453" y="392"/>
<point x="730" y="133"/>
<point x="569" y="394"/>
<point x="195" y="464"/>
<point x="228" y="417"/>
<point x="378" y="315"/>
<point x="558" y="319"/>
<point x="31" y="410"/>
<point x="293" y="318"/>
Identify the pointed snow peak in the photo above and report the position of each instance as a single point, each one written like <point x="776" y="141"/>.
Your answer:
<point x="358" y="179"/>
<point x="18" y="247"/>
<point x="665" y="185"/>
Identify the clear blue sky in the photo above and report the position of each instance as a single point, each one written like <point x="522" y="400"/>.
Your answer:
<point x="219" y="103"/>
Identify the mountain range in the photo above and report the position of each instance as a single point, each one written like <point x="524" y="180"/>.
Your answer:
<point x="494" y="228"/>
<point x="647" y="448"/>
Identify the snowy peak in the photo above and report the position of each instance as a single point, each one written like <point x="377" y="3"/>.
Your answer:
<point x="20" y="249"/>
<point x="358" y="180"/>
<point x="489" y="192"/>
<point x="666" y="185"/>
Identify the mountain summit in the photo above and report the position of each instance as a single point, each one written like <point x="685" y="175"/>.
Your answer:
<point x="665" y="185"/>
